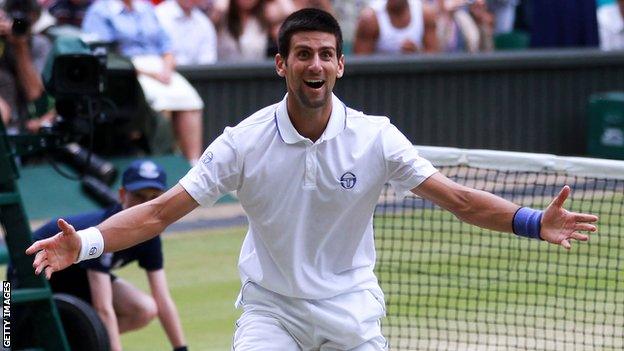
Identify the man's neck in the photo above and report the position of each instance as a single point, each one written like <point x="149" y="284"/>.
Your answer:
<point x="309" y="123"/>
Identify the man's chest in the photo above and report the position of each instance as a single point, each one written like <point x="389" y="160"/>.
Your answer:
<point x="330" y="172"/>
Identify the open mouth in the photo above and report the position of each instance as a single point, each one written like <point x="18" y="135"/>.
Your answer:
<point x="314" y="84"/>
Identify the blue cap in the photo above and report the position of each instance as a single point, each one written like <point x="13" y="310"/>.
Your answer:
<point x="143" y="174"/>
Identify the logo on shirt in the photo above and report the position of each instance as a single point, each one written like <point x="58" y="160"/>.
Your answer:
<point x="92" y="251"/>
<point x="207" y="158"/>
<point x="348" y="180"/>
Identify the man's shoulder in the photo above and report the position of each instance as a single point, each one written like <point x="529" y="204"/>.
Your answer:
<point x="359" y="119"/>
<point x="256" y="123"/>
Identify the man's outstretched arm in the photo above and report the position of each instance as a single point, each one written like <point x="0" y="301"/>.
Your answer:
<point x="126" y="228"/>
<point x="486" y="210"/>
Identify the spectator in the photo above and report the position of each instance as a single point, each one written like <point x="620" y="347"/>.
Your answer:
<point x="133" y="26"/>
<point x="244" y="33"/>
<point x="396" y="26"/>
<point x="121" y="306"/>
<point x="193" y="35"/>
<point x="611" y="26"/>
<point x="69" y="12"/>
<point x="464" y="26"/>
<point x="21" y="63"/>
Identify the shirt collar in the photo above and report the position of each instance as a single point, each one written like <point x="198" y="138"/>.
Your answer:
<point x="336" y="124"/>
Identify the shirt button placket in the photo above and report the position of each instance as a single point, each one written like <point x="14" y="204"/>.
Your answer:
<point x="310" y="171"/>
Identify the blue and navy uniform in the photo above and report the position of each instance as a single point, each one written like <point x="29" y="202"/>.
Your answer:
<point x="73" y="280"/>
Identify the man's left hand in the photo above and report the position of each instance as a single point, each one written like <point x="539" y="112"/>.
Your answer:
<point x="560" y="226"/>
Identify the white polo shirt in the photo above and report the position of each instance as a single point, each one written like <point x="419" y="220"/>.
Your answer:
<point x="310" y="205"/>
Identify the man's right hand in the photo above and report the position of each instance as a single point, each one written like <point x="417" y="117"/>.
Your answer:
<point x="56" y="253"/>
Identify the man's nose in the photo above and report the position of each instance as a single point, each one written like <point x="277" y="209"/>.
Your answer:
<point x="315" y="64"/>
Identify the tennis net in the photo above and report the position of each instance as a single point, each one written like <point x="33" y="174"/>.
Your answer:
<point x="453" y="286"/>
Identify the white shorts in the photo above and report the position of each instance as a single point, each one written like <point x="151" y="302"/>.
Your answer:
<point x="271" y="321"/>
<point x="178" y="95"/>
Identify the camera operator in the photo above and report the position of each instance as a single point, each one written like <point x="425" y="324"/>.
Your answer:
<point x="22" y="56"/>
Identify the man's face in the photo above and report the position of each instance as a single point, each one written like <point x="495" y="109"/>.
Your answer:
<point x="133" y="198"/>
<point x="311" y="68"/>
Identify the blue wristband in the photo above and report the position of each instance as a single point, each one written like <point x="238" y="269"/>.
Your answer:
<point x="527" y="223"/>
<point x="181" y="348"/>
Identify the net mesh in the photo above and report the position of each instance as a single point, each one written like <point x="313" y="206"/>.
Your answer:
<point x="453" y="286"/>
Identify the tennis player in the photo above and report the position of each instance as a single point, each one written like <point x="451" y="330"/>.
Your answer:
<point x="308" y="171"/>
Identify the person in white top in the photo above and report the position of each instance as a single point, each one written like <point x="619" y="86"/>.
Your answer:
<point x="611" y="26"/>
<point x="396" y="26"/>
<point x="308" y="172"/>
<point x="243" y="34"/>
<point x="193" y="36"/>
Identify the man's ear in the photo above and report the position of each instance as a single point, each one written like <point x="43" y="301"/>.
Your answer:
<point x="280" y="65"/>
<point x="341" y="62"/>
<point x="122" y="195"/>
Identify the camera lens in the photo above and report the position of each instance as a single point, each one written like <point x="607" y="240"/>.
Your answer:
<point x="78" y="157"/>
<point x="99" y="191"/>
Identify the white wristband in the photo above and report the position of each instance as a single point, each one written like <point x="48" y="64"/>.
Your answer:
<point x="92" y="244"/>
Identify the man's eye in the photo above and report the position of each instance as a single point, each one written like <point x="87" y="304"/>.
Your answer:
<point x="303" y="54"/>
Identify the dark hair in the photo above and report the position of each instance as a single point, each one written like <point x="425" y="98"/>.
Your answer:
<point x="234" y="25"/>
<point x="308" y="20"/>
